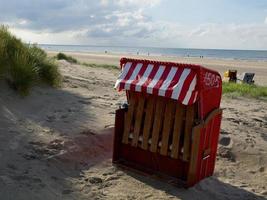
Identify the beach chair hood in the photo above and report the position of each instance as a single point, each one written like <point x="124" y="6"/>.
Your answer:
<point x="181" y="82"/>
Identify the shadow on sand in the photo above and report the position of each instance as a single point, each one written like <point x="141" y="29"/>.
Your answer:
<point x="37" y="164"/>
<point x="43" y="143"/>
<point x="210" y="188"/>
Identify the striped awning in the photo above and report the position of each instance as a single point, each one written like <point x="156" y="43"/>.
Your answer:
<point x="170" y="81"/>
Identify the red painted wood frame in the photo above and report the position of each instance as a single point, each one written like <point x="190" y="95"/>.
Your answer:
<point x="202" y="157"/>
<point x="203" y="138"/>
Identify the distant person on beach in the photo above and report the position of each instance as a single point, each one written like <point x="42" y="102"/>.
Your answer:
<point x="137" y="53"/>
<point x="147" y="53"/>
<point x="106" y="51"/>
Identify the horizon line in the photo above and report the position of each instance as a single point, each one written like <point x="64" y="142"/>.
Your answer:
<point x="126" y="46"/>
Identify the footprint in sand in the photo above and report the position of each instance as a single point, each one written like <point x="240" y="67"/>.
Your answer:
<point x="13" y="145"/>
<point x="261" y="169"/>
<point x="50" y="118"/>
<point x="95" y="180"/>
<point x="112" y="178"/>
<point x="64" y="116"/>
<point x="250" y="140"/>
<point x="225" y="148"/>
<point x="224" y="132"/>
<point x="7" y="180"/>
<point x="225" y="141"/>
<point x="226" y="153"/>
<point x="67" y="191"/>
<point x="40" y="150"/>
<point x="56" y="144"/>
<point x="257" y="119"/>
<point x="11" y="166"/>
<point x="234" y="120"/>
<point x="86" y="102"/>
<point x="58" y="115"/>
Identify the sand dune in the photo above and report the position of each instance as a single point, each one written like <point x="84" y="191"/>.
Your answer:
<point x="57" y="143"/>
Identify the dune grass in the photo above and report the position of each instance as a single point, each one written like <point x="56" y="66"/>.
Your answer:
<point x="106" y="66"/>
<point x="246" y="90"/>
<point x="22" y="74"/>
<point x="70" y="59"/>
<point x="25" y="65"/>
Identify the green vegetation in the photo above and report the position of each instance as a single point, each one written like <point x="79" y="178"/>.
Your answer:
<point x="255" y="91"/>
<point x="106" y="66"/>
<point x="62" y="56"/>
<point x="24" y="65"/>
<point x="70" y="59"/>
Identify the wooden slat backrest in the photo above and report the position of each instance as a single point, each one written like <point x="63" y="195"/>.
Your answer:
<point x="149" y="117"/>
<point x="159" y="125"/>
<point x="138" y="120"/>
<point x="128" y="118"/>
<point x="177" y="130"/>
<point x="167" y="127"/>
<point x="189" y="121"/>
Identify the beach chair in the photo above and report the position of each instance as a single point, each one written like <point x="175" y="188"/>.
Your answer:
<point x="247" y="78"/>
<point x="171" y="125"/>
<point x="231" y="75"/>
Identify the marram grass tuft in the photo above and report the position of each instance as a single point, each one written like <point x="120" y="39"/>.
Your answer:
<point x="22" y="73"/>
<point x="24" y="65"/>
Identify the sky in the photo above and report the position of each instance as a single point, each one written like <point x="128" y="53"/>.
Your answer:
<point x="214" y="24"/>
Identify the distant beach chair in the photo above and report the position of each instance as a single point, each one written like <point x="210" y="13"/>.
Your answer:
<point x="231" y="75"/>
<point x="247" y="78"/>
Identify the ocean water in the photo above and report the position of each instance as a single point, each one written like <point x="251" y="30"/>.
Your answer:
<point x="178" y="52"/>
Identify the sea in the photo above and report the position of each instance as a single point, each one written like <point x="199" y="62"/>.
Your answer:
<point x="259" y="55"/>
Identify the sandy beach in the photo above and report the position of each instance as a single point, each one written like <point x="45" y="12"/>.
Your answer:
<point x="57" y="143"/>
<point x="221" y="65"/>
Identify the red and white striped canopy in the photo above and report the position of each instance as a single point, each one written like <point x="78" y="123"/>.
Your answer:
<point x="170" y="81"/>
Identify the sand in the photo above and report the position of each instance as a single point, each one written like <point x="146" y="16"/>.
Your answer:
<point x="221" y="65"/>
<point x="57" y="143"/>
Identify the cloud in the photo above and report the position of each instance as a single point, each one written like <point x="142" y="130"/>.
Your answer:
<point x="138" y="2"/>
<point x="65" y="15"/>
<point x="99" y="22"/>
<point x="120" y="22"/>
<point x="115" y="20"/>
<point x="229" y="36"/>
